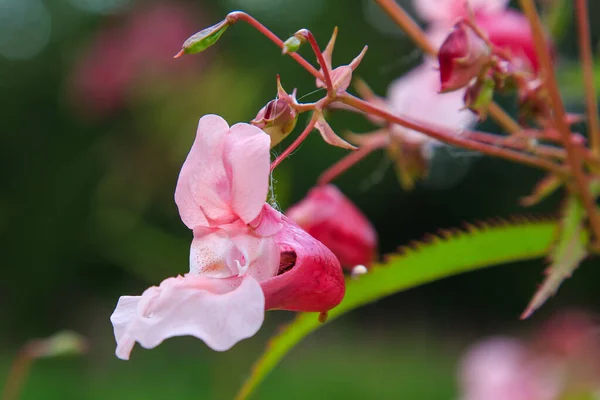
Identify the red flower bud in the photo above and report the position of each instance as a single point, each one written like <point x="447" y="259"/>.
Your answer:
<point x="331" y="218"/>
<point x="462" y="56"/>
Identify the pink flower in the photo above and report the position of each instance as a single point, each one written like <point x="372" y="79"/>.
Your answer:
<point x="506" y="28"/>
<point x="447" y="11"/>
<point x="331" y="218"/>
<point x="503" y="369"/>
<point x="245" y="256"/>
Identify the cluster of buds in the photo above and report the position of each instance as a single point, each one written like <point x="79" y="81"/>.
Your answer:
<point x="477" y="56"/>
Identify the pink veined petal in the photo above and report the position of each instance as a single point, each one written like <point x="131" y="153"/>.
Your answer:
<point x="233" y="250"/>
<point x="313" y="281"/>
<point x="248" y="157"/>
<point x="203" y="188"/>
<point x="260" y="256"/>
<point x="210" y="253"/>
<point x="221" y="312"/>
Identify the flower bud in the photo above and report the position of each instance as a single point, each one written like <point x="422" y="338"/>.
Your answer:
<point x="331" y="218"/>
<point x="462" y="57"/>
<point x="204" y="39"/>
<point x="292" y="45"/>
<point x="277" y="119"/>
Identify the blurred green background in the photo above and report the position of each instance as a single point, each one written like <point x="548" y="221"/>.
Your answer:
<point x="95" y="121"/>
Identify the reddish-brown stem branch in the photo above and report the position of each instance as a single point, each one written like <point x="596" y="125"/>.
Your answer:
<point x="347" y="162"/>
<point x="235" y="16"/>
<point x="450" y="137"/>
<point x="587" y="65"/>
<point x="295" y="143"/>
<point x="305" y="33"/>
<point x="17" y="374"/>
<point x="408" y="25"/>
<point x="574" y="158"/>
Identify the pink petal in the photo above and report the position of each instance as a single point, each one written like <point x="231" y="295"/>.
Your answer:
<point x="449" y="10"/>
<point x="268" y="222"/>
<point x="203" y="188"/>
<point x="233" y="250"/>
<point x="221" y="312"/>
<point x="210" y="253"/>
<point x="510" y="30"/>
<point x="248" y="157"/>
<point x="314" y="281"/>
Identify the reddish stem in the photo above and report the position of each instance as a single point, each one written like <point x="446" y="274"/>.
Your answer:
<point x="235" y="16"/>
<point x="17" y="374"/>
<point x="574" y="158"/>
<point x="295" y="143"/>
<point x="587" y="65"/>
<point x="452" y="138"/>
<point x="348" y="161"/>
<point x="305" y="33"/>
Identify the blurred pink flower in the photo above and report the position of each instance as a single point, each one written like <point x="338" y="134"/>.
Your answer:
<point x="506" y="28"/>
<point x="331" y="218"/>
<point x="447" y="11"/>
<point x="416" y="94"/>
<point x="245" y="256"/>
<point x="131" y="52"/>
<point x="503" y="369"/>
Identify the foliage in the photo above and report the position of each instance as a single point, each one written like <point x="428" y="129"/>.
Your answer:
<point x="451" y="253"/>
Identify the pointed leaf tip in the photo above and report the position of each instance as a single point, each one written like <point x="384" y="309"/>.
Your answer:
<point x="569" y="250"/>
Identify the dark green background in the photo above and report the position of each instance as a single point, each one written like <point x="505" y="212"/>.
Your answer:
<point x="86" y="214"/>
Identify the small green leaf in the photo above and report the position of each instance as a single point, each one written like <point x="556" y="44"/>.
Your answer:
<point x="441" y="257"/>
<point x="570" y="249"/>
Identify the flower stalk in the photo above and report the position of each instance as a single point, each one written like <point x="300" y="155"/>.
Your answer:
<point x="587" y="65"/>
<point x="574" y="158"/>
<point x="453" y="139"/>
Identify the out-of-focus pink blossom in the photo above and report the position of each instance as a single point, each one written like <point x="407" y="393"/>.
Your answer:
<point x="507" y="29"/>
<point x="503" y="369"/>
<point x="510" y="30"/>
<point x="416" y="94"/>
<point x="447" y="11"/>
<point x="132" y="51"/>
<point x="245" y="256"/>
<point x="330" y="217"/>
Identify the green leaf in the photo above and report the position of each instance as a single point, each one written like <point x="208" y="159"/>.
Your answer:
<point x="570" y="249"/>
<point x="439" y="257"/>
